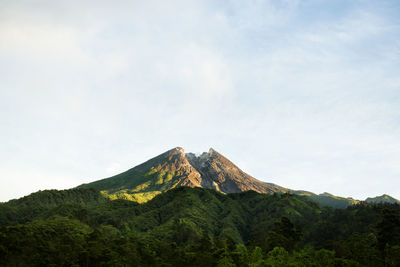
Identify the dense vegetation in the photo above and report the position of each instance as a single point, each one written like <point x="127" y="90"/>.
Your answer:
<point x="195" y="227"/>
<point x="139" y="184"/>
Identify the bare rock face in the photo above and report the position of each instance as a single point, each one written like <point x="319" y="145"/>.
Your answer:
<point x="173" y="169"/>
<point x="209" y="170"/>
<point x="175" y="161"/>
<point x="218" y="171"/>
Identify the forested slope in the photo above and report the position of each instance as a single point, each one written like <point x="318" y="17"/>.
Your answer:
<point x="196" y="227"/>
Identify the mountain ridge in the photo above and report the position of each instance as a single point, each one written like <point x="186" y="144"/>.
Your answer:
<point x="211" y="170"/>
<point x="382" y="199"/>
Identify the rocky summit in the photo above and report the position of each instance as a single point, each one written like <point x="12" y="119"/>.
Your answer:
<point x="176" y="168"/>
<point x="219" y="173"/>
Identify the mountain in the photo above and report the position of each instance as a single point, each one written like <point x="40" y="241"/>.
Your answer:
<point x="382" y="199"/>
<point x="202" y="219"/>
<point x="211" y="170"/>
<point x="175" y="168"/>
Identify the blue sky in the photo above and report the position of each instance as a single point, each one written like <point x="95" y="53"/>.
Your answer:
<point x="305" y="94"/>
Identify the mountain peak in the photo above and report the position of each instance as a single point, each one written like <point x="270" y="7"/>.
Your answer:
<point x="176" y="168"/>
<point x="180" y="149"/>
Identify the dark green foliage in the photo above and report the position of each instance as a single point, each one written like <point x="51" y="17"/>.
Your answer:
<point x="284" y="234"/>
<point x="194" y="227"/>
<point x="389" y="228"/>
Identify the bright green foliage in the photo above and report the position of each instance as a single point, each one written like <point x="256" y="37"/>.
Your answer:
<point x="226" y="261"/>
<point x="277" y="257"/>
<point x="138" y="184"/>
<point x="256" y="257"/>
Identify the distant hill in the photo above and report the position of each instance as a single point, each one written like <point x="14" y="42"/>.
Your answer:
<point x="329" y="200"/>
<point x="382" y="199"/>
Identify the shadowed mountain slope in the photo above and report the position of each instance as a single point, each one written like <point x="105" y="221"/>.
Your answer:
<point x="329" y="200"/>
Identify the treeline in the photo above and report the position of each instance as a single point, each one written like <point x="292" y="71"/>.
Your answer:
<point x="195" y="227"/>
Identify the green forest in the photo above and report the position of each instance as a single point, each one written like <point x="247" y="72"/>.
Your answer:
<point x="195" y="227"/>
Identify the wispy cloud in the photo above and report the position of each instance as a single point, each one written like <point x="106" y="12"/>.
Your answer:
<point x="297" y="93"/>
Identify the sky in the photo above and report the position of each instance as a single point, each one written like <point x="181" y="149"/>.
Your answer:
<point x="301" y="93"/>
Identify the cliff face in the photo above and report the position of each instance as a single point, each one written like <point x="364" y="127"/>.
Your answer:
<point x="217" y="172"/>
<point x="174" y="168"/>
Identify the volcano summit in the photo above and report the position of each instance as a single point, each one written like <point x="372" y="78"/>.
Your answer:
<point x="176" y="168"/>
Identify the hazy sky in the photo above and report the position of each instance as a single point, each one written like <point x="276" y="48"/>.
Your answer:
<point x="304" y="94"/>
